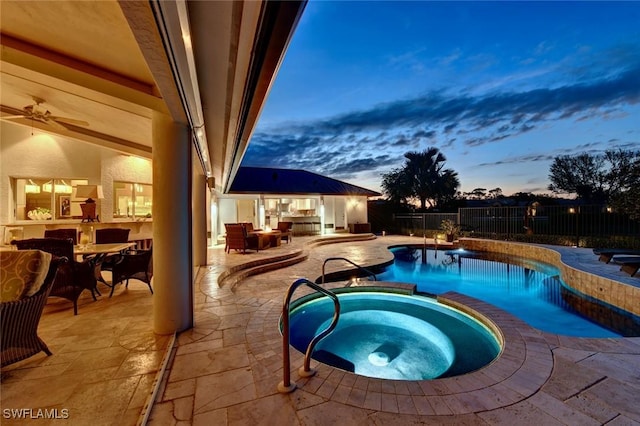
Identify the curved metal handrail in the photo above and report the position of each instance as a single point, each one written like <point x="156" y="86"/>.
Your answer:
<point x="363" y="269"/>
<point x="286" y="386"/>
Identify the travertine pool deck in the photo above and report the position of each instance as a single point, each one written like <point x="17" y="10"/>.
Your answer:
<point x="226" y="369"/>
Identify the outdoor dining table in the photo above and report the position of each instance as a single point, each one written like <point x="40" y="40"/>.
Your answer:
<point x="103" y="249"/>
<point x="100" y="251"/>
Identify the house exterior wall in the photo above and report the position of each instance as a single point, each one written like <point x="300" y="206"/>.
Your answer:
<point x="356" y="209"/>
<point x="339" y="210"/>
<point x="330" y="212"/>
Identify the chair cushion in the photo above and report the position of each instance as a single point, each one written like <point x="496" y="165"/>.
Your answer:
<point x="22" y="273"/>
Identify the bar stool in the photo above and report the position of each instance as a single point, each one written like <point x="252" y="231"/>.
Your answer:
<point x="307" y="228"/>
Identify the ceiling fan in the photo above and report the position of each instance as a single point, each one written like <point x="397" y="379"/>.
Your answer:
<point x="37" y="112"/>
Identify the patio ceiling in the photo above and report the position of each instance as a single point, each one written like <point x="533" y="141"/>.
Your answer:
<point x="104" y="62"/>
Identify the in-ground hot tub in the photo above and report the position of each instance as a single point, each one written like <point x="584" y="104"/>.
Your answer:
<point x="393" y="336"/>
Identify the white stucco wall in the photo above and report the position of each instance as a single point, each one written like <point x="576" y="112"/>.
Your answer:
<point x="329" y="212"/>
<point x="42" y="155"/>
<point x="356" y="209"/>
<point x="227" y="213"/>
<point x="125" y="168"/>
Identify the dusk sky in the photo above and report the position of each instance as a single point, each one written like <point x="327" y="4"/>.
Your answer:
<point x="501" y="88"/>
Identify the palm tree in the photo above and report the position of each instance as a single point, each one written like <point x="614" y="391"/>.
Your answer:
<point x="446" y="187"/>
<point x="430" y="181"/>
<point x="423" y="178"/>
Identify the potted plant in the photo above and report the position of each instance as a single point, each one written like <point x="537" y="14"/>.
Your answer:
<point x="450" y="228"/>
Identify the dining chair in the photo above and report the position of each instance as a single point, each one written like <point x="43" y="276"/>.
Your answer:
<point x="73" y="277"/>
<point x="110" y="236"/>
<point x="136" y="264"/>
<point x="62" y="233"/>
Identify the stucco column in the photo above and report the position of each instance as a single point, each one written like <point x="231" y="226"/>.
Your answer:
<point x="199" y="213"/>
<point x="172" y="258"/>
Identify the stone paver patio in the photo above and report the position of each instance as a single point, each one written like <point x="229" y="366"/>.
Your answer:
<point x="225" y="370"/>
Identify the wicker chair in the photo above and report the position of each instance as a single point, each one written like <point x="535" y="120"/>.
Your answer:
<point x="73" y="277"/>
<point x="137" y="264"/>
<point x="285" y="229"/>
<point x="238" y="238"/>
<point x="110" y="236"/>
<point x="19" y="321"/>
<point x="62" y="233"/>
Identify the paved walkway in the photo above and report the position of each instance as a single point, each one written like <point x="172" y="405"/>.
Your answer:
<point x="225" y="371"/>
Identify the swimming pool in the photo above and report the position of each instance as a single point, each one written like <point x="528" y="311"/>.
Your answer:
<point x="528" y="289"/>
<point x="393" y="336"/>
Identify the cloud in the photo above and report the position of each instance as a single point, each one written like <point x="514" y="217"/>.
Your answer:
<point x="344" y="144"/>
<point x="591" y="147"/>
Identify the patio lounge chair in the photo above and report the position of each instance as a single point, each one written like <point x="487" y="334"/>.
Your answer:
<point x="19" y="318"/>
<point x="285" y="229"/>
<point x="238" y="238"/>
<point x="249" y="227"/>
<point x="630" y="264"/>
<point x="607" y="254"/>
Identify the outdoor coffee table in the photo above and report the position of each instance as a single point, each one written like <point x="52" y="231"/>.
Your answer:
<point x="274" y="237"/>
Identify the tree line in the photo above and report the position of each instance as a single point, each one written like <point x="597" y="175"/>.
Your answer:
<point x="611" y="177"/>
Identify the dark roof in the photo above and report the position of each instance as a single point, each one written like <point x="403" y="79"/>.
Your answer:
<point x="263" y="180"/>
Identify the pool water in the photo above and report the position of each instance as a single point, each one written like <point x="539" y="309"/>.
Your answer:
<point x="393" y="336"/>
<point x="530" y="290"/>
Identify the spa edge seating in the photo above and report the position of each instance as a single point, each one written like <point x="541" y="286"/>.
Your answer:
<point x="73" y="277"/>
<point x="27" y="279"/>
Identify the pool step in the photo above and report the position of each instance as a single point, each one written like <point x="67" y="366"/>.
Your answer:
<point x="346" y="238"/>
<point x="237" y="273"/>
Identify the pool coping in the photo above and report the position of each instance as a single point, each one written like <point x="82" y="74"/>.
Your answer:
<point x="523" y="366"/>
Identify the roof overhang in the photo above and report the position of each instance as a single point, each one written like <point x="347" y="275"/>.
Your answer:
<point x="113" y="64"/>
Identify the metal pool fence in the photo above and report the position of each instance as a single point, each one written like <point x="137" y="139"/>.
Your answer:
<point x="579" y="225"/>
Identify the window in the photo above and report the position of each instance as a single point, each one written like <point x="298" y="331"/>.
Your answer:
<point x="46" y="198"/>
<point x="132" y="199"/>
